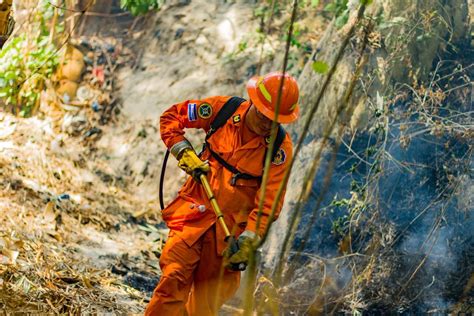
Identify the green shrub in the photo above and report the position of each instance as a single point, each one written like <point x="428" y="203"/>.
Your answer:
<point x="137" y="7"/>
<point x="340" y="11"/>
<point x="26" y="62"/>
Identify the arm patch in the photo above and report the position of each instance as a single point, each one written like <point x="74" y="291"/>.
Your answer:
<point x="205" y="111"/>
<point x="280" y="157"/>
<point x="192" y="113"/>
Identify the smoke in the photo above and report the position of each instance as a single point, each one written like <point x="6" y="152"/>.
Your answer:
<point x="422" y="195"/>
<point x="273" y="245"/>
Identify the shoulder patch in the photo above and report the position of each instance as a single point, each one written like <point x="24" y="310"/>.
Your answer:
<point x="192" y="116"/>
<point x="280" y="157"/>
<point x="236" y="118"/>
<point x="205" y="111"/>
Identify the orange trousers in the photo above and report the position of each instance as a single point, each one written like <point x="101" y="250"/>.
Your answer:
<point x="193" y="281"/>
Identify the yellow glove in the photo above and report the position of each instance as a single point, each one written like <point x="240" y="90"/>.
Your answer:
<point x="238" y="252"/>
<point x="190" y="162"/>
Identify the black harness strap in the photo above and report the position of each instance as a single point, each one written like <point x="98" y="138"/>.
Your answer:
<point x="278" y="141"/>
<point x="224" y="114"/>
<point x="221" y="118"/>
<point x="237" y="174"/>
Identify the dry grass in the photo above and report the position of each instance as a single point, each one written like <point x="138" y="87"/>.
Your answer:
<point x="63" y="227"/>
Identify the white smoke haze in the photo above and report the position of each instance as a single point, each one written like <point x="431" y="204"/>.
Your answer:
<point x="274" y="243"/>
<point x="423" y="230"/>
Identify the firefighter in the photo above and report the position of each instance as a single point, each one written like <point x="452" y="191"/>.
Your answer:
<point x="193" y="280"/>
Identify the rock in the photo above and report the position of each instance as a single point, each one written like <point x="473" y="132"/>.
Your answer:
<point x="73" y="125"/>
<point x="101" y="60"/>
<point x="67" y="90"/>
<point x="109" y="48"/>
<point x="142" y="281"/>
<point x="5" y="5"/>
<point x="182" y="3"/>
<point x="96" y="106"/>
<point x="179" y="3"/>
<point x="84" y="93"/>
<point x="179" y="33"/>
<point x="64" y="196"/>
<point x="71" y="66"/>
<point x="92" y="131"/>
<point x="105" y="177"/>
<point x="88" y="60"/>
<point x="57" y="144"/>
<point x="119" y="270"/>
<point x="86" y="44"/>
<point x="157" y="34"/>
<point x="251" y="70"/>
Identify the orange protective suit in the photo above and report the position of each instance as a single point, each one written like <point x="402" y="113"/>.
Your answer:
<point x="191" y="260"/>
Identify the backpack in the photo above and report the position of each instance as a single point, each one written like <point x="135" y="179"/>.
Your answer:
<point x="221" y="118"/>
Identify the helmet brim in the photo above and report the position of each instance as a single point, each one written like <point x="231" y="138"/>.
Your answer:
<point x="262" y="108"/>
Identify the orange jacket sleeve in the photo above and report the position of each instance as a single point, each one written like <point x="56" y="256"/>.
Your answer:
<point x="277" y="171"/>
<point x="188" y="114"/>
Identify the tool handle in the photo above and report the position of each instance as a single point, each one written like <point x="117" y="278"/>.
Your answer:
<point x="233" y="247"/>
<point x="215" y="206"/>
<point x="232" y="244"/>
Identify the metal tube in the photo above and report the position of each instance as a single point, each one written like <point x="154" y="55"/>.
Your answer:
<point x="215" y="206"/>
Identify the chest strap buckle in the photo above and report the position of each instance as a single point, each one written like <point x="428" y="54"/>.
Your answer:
<point x="234" y="179"/>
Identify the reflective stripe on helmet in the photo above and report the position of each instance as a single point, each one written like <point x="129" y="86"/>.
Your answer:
<point x="264" y="90"/>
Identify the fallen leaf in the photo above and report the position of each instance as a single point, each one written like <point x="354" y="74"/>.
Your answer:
<point x="320" y="67"/>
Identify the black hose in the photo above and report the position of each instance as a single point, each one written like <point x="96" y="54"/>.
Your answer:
<point x="162" y="178"/>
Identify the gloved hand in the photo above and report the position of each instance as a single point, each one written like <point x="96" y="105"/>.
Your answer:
<point x="237" y="255"/>
<point x="190" y="162"/>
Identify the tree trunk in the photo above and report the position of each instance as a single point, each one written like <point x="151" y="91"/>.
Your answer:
<point x="93" y="20"/>
<point x="411" y="35"/>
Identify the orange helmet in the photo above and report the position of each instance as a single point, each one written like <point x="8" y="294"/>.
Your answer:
<point x="263" y="91"/>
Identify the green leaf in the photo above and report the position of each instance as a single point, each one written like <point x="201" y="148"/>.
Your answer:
<point x="10" y="75"/>
<point x="320" y="67"/>
<point x="43" y="41"/>
<point x="366" y="2"/>
<point x="314" y="3"/>
<point x="330" y="7"/>
<point x="342" y="19"/>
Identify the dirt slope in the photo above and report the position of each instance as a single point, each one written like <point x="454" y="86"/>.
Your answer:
<point x="65" y="223"/>
<point x="68" y="239"/>
<point x="187" y="56"/>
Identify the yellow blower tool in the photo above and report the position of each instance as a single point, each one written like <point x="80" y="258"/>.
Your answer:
<point x="231" y="241"/>
<point x="215" y="206"/>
